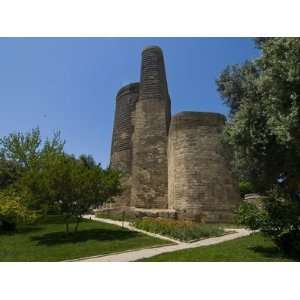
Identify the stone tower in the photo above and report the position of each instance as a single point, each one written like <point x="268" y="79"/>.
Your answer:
<point x="121" y="148"/>
<point x="173" y="167"/>
<point x="150" y="167"/>
<point x="201" y="185"/>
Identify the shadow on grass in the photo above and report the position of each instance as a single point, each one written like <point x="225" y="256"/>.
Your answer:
<point x="21" y="230"/>
<point x="56" y="238"/>
<point x="274" y="252"/>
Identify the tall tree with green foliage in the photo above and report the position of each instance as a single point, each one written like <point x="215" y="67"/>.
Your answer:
<point x="74" y="186"/>
<point x="263" y="97"/>
<point x="22" y="154"/>
<point x="37" y="176"/>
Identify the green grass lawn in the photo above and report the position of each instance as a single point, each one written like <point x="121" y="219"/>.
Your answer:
<point x="255" y="247"/>
<point x="49" y="242"/>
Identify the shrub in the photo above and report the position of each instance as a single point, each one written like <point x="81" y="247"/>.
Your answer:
<point x="14" y="212"/>
<point x="246" y="187"/>
<point x="278" y="218"/>
<point x="177" y="229"/>
<point x="289" y="243"/>
<point x="250" y="215"/>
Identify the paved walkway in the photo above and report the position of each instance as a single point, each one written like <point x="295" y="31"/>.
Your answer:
<point x="145" y="253"/>
<point x="127" y="225"/>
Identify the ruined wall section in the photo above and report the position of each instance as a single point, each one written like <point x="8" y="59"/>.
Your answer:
<point x="150" y="167"/>
<point x="121" y="149"/>
<point x="201" y="185"/>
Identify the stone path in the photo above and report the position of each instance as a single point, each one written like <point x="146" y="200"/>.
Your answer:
<point x="127" y="225"/>
<point x="134" y="255"/>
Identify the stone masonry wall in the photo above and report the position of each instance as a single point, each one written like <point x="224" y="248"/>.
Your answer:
<point x="150" y="168"/>
<point x="201" y="185"/>
<point x="121" y="150"/>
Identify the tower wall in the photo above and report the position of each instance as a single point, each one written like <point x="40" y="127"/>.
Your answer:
<point x="121" y="150"/>
<point x="150" y="166"/>
<point x="201" y="185"/>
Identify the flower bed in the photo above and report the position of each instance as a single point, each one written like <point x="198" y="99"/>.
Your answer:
<point x="180" y="230"/>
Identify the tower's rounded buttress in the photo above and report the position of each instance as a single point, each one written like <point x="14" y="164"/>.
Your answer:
<point x="200" y="183"/>
<point x="121" y="148"/>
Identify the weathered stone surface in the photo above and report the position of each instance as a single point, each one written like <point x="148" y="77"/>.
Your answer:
<point x="200" y="183"/>
<point x="177" y="170"/>
<point x="121" y="149"/>
<point x="150" y="167"/>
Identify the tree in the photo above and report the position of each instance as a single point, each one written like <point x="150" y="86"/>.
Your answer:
<point x="236" y="83"/>
<point x="13" y="211"/>
<point x="264" y="102"/>
<point x="10" y="171"/>
<point x="263" y="97"/>
<point x="21" y="156"/>
<point x="41" y="177"/>
<point x="72" y="186"/>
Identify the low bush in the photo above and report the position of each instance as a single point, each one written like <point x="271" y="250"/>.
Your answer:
<point x="246" y="187"/>
<point x="278" y="218"/>
<point x="289" y="243"/>
<point x="14" y="212"/>
<point x="181" y="230"/>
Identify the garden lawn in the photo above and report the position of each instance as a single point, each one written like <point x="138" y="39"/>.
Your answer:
<point x="49" y="242"/>
<point x="255" y="247"/>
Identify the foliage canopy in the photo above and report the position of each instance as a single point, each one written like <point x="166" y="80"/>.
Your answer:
<point x="263" y="96"/>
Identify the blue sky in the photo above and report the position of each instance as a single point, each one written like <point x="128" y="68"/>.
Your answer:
<point x="69" y="84"/>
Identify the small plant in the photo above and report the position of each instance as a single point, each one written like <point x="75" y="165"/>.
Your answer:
<point x="178" y="229"/>
<point x="246" y="187"/>
<point x="278" y="218"/>
<point x="14" y="212"/>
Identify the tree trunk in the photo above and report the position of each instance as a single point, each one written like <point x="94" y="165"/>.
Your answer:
<point x="67" y="226"/>
<point x="77" y="224"/>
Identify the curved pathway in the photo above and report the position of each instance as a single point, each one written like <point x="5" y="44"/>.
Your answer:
<point x="145" y="253"/>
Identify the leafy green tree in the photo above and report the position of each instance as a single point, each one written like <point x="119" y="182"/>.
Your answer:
<point x="21" y="148"/>
<point x="263" y="97"/>
<point x="26" y="149"/>
<point x="21" y="156"/>
<point x="13" y="211"/>
<point x="43" y="177"/>
<point x="10" y="171"/>
<point x="237" y="82"/>
<point x="71" y="186"/>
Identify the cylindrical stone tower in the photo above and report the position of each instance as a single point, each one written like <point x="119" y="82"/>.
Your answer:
<point x="150" y="164"/>
<point x="121" y="149"/>
<point x="201" y="185"/>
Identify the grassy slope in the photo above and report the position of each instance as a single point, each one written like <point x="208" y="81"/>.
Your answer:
<point x="252" y="248"/>
<point x="48" y="242"/>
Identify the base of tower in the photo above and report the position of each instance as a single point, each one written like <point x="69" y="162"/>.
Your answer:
<point x="134" y="212"/>
<point x="191" y="215"/>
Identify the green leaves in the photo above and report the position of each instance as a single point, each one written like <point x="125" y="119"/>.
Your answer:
<point x="21" y="148"/>
<point x="43" y="177"/>
<point x="265" y="137"/>
<point x="13" y="210"/>
<point x="264" y="100"/>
